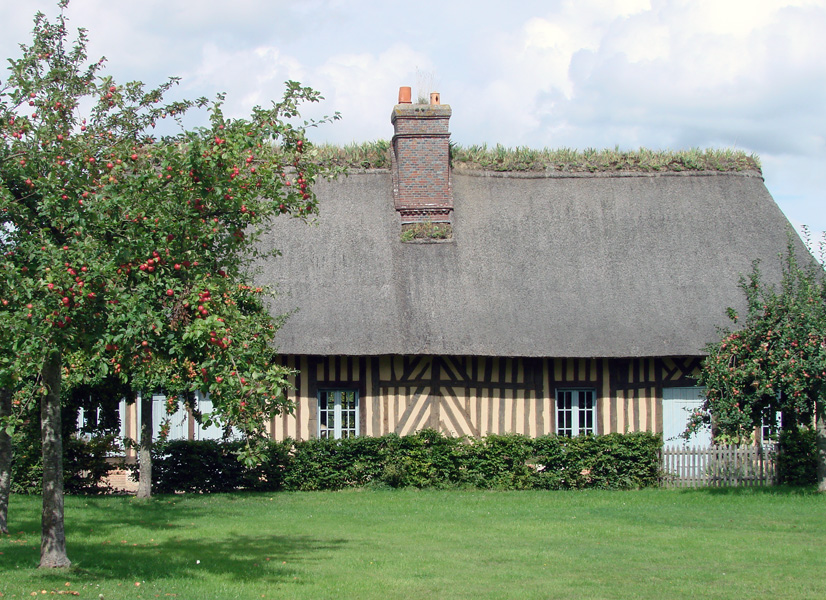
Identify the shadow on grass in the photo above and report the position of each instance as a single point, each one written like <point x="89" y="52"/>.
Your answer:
<point x="101" y="515"/>
<point x="158" y="513"/>
<point x="239" y="558"/>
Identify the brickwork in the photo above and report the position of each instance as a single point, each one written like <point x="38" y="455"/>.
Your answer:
<point x="421" y="168"/>
<point x="120" y="480"/>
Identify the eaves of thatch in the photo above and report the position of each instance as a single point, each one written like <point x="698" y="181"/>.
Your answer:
<point x="583" y="265"/>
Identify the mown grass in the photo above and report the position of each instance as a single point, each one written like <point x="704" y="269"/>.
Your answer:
<point x="738" y="543"/>
<point x="376" y="155"/>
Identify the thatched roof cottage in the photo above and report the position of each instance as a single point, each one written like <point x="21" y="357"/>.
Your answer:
<point x="560" y="303"/>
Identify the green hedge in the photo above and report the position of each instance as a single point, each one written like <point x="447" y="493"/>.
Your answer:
<point x="797" y="457"/>
<point x="210" y="466"/>
<point x="85" y="459"/>
<point x="425" y="459"/>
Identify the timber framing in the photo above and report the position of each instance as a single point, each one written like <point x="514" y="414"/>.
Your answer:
<point x="475" y="396"/>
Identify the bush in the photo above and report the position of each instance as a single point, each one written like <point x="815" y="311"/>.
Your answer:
<point x="425" y="459"/>
<point x="328" y="464"/>
<point x="86" y="459"/>
<point x="797" y="457"/>
<point x="612" y="461"/>
<point x="196" y="466"/>
<point x="500" y="462"/>
<point x="86" y="463"/>
<point x="210" y="466"/>
<point x="269" y="476"/>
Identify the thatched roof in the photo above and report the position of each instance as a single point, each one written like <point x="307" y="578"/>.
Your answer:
<point x="618" y="265"/>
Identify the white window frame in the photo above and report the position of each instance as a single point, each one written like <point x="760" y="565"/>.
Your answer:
<point x="345" y="408"/>
<point x="768" y="430"/>
<point x="578" y="413"/>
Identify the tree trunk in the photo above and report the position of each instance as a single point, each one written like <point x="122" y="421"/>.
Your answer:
<point x="5" y="461"/>
<point x="145" y="449"/>
<point x="820" y="426"/>
<point x="52" y="535"/>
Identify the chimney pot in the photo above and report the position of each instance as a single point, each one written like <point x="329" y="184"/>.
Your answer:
<point x="434" y="98"/>
<point x="404" y="95"/>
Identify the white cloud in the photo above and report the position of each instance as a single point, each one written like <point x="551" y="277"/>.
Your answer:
<point x="254" y="76"/>
<point x="364" y="87"/>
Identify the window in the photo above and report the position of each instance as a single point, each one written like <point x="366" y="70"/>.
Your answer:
<point x="575" y="412"/>
<point x="770" y="426"/>
<point x="338" y="413"/>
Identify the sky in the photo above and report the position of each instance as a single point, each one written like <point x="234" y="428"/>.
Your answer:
<point x="659" y="74"/>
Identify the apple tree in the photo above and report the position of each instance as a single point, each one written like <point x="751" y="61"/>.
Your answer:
<point x="775" y="362"/>
<point x="135" y="250"/>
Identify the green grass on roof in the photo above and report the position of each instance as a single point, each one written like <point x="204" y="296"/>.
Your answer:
<point x="376" y="155"/>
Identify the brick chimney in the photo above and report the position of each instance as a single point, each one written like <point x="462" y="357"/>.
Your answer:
<point x="421" y="168"/>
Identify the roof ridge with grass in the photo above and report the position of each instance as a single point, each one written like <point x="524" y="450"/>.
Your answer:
<point x="478" y="158"/>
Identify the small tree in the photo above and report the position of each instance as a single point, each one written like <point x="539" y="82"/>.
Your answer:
<point x="134" y="251"/>
<point x="775" y="362"/>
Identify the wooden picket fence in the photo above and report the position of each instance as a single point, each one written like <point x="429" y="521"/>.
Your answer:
<point x="716" y="466"/>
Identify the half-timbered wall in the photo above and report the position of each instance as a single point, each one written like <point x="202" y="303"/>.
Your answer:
<point x="475" y="396"/>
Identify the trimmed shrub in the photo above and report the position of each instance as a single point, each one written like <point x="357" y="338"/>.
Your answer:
<point x="612" y="461"/>
<point x="269" y="476"/>
<point x="797" y="457"/>
<point x="85" y="460"/>
<point x="86" y="463"/>
<point x="500" y="462"/>
<point x="196" y="466"/>
<point x="328" y="464"/>
<point x="425" y="459"/>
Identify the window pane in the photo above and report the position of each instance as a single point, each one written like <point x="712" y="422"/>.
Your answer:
<point x="586" y="412"/>
<point x="564" y="423"/>
<point x="323" y="419"/>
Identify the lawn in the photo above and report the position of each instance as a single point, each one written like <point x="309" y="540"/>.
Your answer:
<point x="737" y="543"/>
